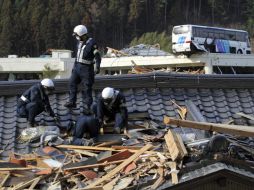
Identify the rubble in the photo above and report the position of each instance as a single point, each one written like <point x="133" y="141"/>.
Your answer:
<point x="153" y="156"/>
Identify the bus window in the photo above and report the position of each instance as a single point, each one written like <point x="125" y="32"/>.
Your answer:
<point x="222" y="36"/>
<point x="240" y="36"/>
<point x="181" y="30"/>
<point x="204" y="33"/>
<point x="217" y="35"/>
<point x="227" y="35"/>
<point x="198" y="32"/>
<point x="211" y="35"/>
<point x="194" y="32"/>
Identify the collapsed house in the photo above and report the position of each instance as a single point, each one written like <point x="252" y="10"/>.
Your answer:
<point x="156" y="153"/>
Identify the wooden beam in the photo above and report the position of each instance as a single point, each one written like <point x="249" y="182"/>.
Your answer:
<point x="246" y="116"/>
<point x="86" y="148"/>
<point x="240" y="130"/>
<point x="175" y="145"/>
<point x="174" y="173"/>
<point x="117" y="169"/>
<point x="26" y="184"/>
<point x="18" y="169"/>
<point x="95" y="148"/>
<point x="35" y="182"/>
<point x="87" y="153"/>
<point x="94" y="165"/>
<point x="5" y="179"/>
<point x="160" y="180"/>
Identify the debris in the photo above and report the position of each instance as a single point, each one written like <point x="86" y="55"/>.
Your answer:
<point x="138" y="69"/>
<point x="121" y="166"/>
<point x="246" y="116"/>
<point x="149" y="158"/>
<point x="123" y="183"/>
<point x="175" y="145"/>
<point x="182" y="111"/>
<point x="221" y="128"/>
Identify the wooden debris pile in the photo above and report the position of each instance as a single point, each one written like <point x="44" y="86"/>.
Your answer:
<point x="145" y="161"/>
<point x="152" y="156"/>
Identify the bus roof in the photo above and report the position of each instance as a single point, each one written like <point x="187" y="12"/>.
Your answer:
<point x="211" y="27"/>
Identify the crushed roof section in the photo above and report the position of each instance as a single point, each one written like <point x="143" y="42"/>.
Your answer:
<point x="145" y="50"/>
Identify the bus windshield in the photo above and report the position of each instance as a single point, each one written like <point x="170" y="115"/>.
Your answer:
<point x="181" y="30"/>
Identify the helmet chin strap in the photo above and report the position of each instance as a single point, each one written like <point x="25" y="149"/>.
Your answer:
<point x="78" y="38"/>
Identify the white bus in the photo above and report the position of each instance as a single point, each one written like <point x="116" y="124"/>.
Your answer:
<point x="188" y="39"/>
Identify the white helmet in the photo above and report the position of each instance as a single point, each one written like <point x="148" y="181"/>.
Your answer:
<point x="107" y="93"/>
<point x="48" y="83"/>
<point x="80" y="30"/>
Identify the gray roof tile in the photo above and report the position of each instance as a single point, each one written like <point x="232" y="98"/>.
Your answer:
<point x="216" y="105"/>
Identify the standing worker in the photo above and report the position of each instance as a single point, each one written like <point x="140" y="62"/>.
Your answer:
<point x="35" y="100"/>
<point x="86" y="65"/>
<point x="111" y="107"/>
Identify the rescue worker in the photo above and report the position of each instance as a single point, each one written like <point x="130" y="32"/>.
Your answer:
<point x="111" y="107"/>
<point x="85" y="124"/>
<point x="87" y="64"/>
<point x="35" y="100"/>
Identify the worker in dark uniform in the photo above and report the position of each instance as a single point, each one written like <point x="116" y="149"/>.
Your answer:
<point x="111" y="107"/>
<point x="86" y="65"/>
<point x="35" y="100"/>
<point x="85" y="124"/>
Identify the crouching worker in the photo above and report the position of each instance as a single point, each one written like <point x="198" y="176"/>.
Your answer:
<point x="111" y="107"/>
<point x="35" y="100"/>
<point x="86" y="124"/>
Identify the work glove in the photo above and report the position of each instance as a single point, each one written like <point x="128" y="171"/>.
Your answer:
<point x="57" y="120"/>
<point x="96" y="70"/>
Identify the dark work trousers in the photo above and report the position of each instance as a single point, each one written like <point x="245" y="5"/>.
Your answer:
<point x="84" y="74"/>
<point x="85" y="124"/>
<point x="30" y="111"/>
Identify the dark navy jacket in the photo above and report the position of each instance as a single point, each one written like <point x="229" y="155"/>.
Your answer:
<point x="87" y="53"/>
<point x="35" y="94"/>
<point x="117" y="105"/>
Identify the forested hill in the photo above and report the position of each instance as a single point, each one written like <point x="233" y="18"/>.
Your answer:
<point x="30" y="27"/>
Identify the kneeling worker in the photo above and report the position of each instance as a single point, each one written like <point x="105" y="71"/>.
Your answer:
<point x="35" y="100"/>
<point x="85" y="124"/>
<point x="111" y="107"/>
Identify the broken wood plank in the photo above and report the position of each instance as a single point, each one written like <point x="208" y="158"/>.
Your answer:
<point x="118" y="156"/>
<point x="176" y="148"/>
<point x="240" y="130"/>
<point x="93" y="165"/>
<point x="94" y="148"/>
<point x="110" y="185"/>
<point x="73" y="147"/>
<point x="36" y="181"/>
<point x="117" y="169"/>
<point x="181" y="144"/>
<point x="160" y="180"/>
<point x="22" y="169"/>
<point x="86" y="153"/>
<point x="5" y="179"/>
<point x="174" y="173"/>
<point x="109" y="143"/>
<point x="246" y="116"/>
<point x="26" y="184"/>
<point x="126" y="147"/>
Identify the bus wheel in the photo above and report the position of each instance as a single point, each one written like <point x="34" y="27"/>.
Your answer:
<point x="239" y="51"/>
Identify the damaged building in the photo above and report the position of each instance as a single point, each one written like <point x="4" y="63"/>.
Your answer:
<point x="164" y="147"/>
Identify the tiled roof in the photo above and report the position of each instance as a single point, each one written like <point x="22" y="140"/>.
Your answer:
<point x="217" y="98"/>
<point x="209" y="169"/>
